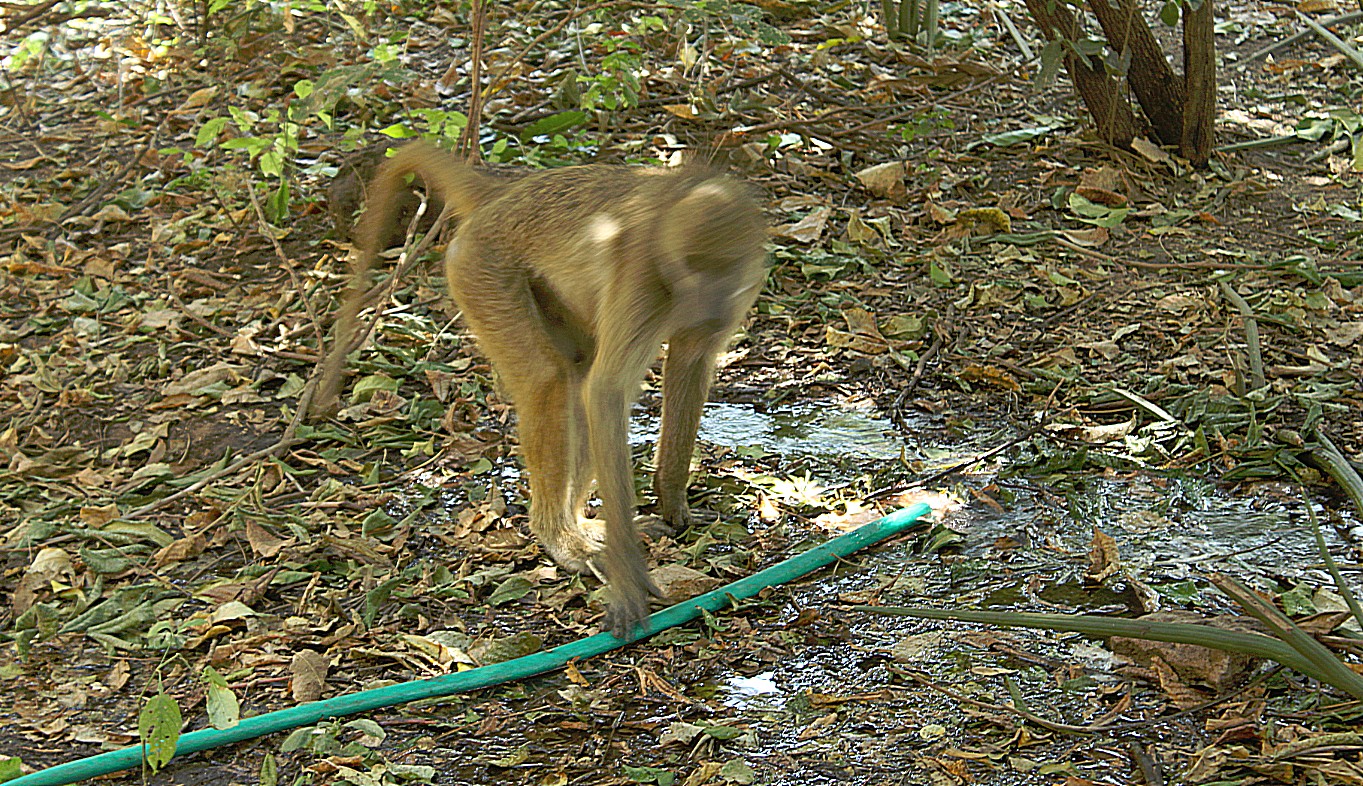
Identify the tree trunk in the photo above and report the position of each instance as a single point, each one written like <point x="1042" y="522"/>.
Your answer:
<point x="1199" y="82"/>
<point x="1152" y="79"/>
<point x="1100" y="92"/>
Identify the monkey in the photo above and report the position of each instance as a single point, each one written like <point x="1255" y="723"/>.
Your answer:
<point x="571" y="280"/>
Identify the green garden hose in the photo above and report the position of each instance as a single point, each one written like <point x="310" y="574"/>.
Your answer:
<point x="494" y="674"/>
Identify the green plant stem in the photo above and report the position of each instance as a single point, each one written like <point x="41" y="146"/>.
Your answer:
<point x="1333" y="40"/>
<point x="1176" y="632"/>
<point x="1325" y="666"/>
<point x="1330" y="565"/>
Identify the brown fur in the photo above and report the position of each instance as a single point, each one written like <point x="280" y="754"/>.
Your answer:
<point x="571" y="279"/>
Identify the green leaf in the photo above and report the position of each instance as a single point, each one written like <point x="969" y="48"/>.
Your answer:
<point x="224" y="710"/>
<point x="271" y="162"/>
<point x="158" y="727"/>
<point x="368" y="386"/>
<point x="269" y="771"/>
<point x="375" y="598"/>
<point x="1015" y="137"/>
<point x="649" y="775"/>
<point x="277" y="205"/>
<point x="208" y="133"/>
<point x="9" y="768"/>
<point x="397" y="131"/>
<point x="1052" y="57"/>
<point x="250" y="144"/>
<point x="368" y="728"/>
<point x="1169" y="13"/>
<point x="737" y="771"/>
<point x="514" y="588"/>
<point x="939" y="275"/>
<point x="555" y="124"/>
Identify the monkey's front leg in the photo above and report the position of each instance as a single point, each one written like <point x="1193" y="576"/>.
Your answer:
<point x="609" y="390"/>
<point x="686" y="384"/>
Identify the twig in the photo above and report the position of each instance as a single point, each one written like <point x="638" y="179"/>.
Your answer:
<point x="896" y="409"/>
<point x="900" y="488"/>
<point x="467" y="145"/>
<point x="1332" y="39"/>
<point x="284" y="258"/>
<point x="285" y="442"/>
<point x="1295" y="37"/>
<point x="1256" y="356"/>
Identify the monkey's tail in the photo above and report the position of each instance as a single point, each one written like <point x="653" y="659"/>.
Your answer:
<point x="460" y="188"/>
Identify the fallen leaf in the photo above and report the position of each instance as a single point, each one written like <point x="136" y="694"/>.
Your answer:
<point x="1151" y="151"/>
<point x="678" y="582"/>
<point x="1104" y="561"/>
<point x="807" y="229"/>
<point x="308" y="675"/>
<point x="263" y="542"/>
<point x="885" y="180"/>
<point x="181" y="550"/>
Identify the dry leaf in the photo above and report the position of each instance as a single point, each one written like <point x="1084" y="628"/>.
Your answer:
<point x="678" y="582"/>
<point x="1151" y="151"/>
<point x="308" y="672"/>
<point x="807" y="229"/>
<point x="263" y="542"/>
<point x="1104" y="560"/>
<point x="181" y="550"/>
<point x="885" y="180"/>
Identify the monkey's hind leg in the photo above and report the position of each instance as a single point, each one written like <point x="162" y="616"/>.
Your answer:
<point x="553" y="448"/>
<point x="544" y="383"/>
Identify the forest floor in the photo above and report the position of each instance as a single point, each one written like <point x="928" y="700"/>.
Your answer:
<point x="1009" y="299"/>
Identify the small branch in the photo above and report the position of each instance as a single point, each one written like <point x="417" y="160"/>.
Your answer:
<point x="1332" y="39"/>
<point x="1295" y="37"/>
<point x="468" y="138"/>
<point x="288" y="263"/>
<point x="1256" y="356"/>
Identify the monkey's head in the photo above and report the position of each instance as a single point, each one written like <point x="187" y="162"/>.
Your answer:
<point x="713" y="249"/>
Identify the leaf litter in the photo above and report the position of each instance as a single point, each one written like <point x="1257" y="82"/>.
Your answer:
<point x="948" y="246"/>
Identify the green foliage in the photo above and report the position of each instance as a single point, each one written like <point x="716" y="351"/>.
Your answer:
<point x="224" y="710"/>
<point x="744" y="19"/>
<point x="617" y="86"/>
<point x="158" y="729"/>
<point x="925" y="123"/>
<point x="10" y="768"/>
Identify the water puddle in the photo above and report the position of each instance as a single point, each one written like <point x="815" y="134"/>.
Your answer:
<point x="837" y="700"/>
<point x="804" y="431"/>
<point x="825" y="700"/>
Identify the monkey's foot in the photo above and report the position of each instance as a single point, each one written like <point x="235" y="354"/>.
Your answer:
<point x="680" y="520"/>
<point x="653" y="527"/>
<point x="575" y="548"/>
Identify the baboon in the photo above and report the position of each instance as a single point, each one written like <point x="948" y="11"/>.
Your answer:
<point x="571" y="279"/>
